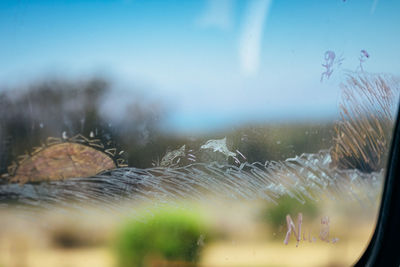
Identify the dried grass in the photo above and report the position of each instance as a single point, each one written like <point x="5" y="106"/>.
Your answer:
<point x="367" y="111"/>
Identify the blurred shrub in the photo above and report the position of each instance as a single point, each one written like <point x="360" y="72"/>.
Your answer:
<point x="169" y="234"/>
<point x="75" y="236"/>
<point x="275" y="215"/>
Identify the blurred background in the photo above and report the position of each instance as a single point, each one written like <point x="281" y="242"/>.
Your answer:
<point x="169" y="133"/>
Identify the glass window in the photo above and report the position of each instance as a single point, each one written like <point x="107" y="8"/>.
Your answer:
<point x="194" y="133"/>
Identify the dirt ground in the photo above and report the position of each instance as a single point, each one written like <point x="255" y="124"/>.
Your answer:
<point x="217" y="254"/>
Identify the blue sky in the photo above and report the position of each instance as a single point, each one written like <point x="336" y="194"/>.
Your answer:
<point x="215" y="62"/>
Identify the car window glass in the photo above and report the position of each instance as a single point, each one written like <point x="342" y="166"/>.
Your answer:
<point x="208" y="133"/>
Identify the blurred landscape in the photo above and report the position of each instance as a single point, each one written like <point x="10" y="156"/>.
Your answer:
<point x="53" y="107"/>
<point x="236" y="235"/>
<point x="168" y="213"/>
<point x="195" y="133"/>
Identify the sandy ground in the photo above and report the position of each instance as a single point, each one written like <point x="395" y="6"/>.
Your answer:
<point x="277" y="254"/>
<point x="217" y="254"/>
<point x="96" y="257"/>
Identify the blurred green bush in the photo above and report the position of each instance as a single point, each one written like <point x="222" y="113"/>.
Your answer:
<point x="275" y="215"/>
<point x="170" y="234"/>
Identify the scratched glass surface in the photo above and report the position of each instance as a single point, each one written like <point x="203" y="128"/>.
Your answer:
<point x="194" y="133"/>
